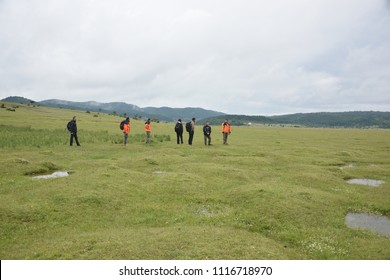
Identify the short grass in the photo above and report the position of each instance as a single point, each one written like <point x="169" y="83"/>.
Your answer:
<point x="273" y="193"/>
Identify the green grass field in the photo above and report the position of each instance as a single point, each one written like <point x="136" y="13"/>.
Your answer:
<point x="273" y="193"/>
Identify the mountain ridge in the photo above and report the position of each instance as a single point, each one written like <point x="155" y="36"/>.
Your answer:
<point x="167" y="114"/>
<point x="351" y="119"/>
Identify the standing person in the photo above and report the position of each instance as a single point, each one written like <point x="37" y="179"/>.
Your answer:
<point x="179" y="131"/>
<point x="226" y="130"/>
<point x="207" y="133"/>
<point x="148" y="129"/>
<point x="72" y="128"/>
<point x="126" y="130"/>
<point x="190" y="127"/>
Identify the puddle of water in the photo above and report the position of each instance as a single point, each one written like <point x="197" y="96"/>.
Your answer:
<point x="57" y="174"/>
<point x="366" y="182"/>
<point x="379" y="224"/>
<point x="205" y="212"/>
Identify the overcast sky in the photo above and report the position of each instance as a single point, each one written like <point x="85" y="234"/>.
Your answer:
<point x="257" y="57"/>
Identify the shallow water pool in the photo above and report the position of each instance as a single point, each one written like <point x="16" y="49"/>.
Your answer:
<point x="378" y="224"/>
<point x="57" y="174"/>
<point x="366" y="182"/>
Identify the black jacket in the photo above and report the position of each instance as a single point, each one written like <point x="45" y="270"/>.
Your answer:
<point x="179" y="127"/>
<point x="207" y="130"/>
<point x="72" y="126"/>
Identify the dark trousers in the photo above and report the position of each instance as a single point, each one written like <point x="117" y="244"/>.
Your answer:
<point x="126" y="136"/>
<point x="190" y="137"/>
<point x="207" y="139"/>
<point x="225" y="137"/>
<point x="74" y="135"/>
<point x="179" y="136"/>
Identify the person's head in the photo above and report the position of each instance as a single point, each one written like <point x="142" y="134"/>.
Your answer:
<point x="193" y="119"/>
<point x="74" y="118"/>
<point x="128" y="119"/>
<point x="179" y="120"/>
<point x="148" y="121"/>
<point x="207" y="123"/>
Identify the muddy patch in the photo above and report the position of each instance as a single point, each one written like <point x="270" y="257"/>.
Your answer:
<point x="44" y="169"/>
<point x="378" y="224"/>
<point x="159" y="172"/>
<point x="23" y="160"/>
<point x="57" y="174"/>
<point x="366" y="182"/>
<point x="205" y="212"/>
<point x="348" y="166"/>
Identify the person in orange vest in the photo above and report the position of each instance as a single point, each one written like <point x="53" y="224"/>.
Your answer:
<point x="148" y="129"/>
<point x="226" y="130"/>
<point x="126" y="130"/>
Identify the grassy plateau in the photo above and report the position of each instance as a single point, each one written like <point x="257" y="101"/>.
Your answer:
<point x="272" y="193"/>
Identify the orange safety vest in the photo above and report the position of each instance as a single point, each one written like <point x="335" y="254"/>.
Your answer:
<point x="126" y="128"/>
<point x="148" y="127"/>
<point x="226" y="128"/>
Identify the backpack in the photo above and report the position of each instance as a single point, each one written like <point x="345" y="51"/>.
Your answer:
<point x="178" y="127"/>
<point x="122" y="125"/>
<point x="188" y="127"/>
<point x="69" y="126"/>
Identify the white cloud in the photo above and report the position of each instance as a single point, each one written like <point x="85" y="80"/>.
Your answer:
<point x="248" y="57"/>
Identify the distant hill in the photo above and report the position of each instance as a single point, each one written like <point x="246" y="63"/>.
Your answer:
<point x="359" y="119"/>
<point x="184" y="113"/>
<point x="120" y="108"/>
<point x="18" y="99"/>
<point x="240" y="120"/>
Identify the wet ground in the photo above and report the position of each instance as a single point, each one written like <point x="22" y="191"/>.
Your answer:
<point x="378" y="224"/>
<point x="57" y="174"/>
<point x="366" y="182"/>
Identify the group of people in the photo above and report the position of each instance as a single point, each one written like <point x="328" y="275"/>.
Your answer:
<point x="179" y="129"/>
<point x="125" y="126"/>
<point x="190" y="128"/>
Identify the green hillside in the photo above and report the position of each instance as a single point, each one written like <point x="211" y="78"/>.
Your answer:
<point x="330" y="120"/>
<point x="343" y="119"/>
<point x="241" y="120"/>
<point x="359" y="119"/>
<point x="18" y="99"/>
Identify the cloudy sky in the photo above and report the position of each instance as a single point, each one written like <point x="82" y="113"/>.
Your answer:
<point x="258" y="57"/>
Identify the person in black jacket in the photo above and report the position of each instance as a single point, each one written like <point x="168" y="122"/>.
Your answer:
<point x="207" y="133"/>
<point x="72" y="128"/>
<point x="179" y="131"/>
